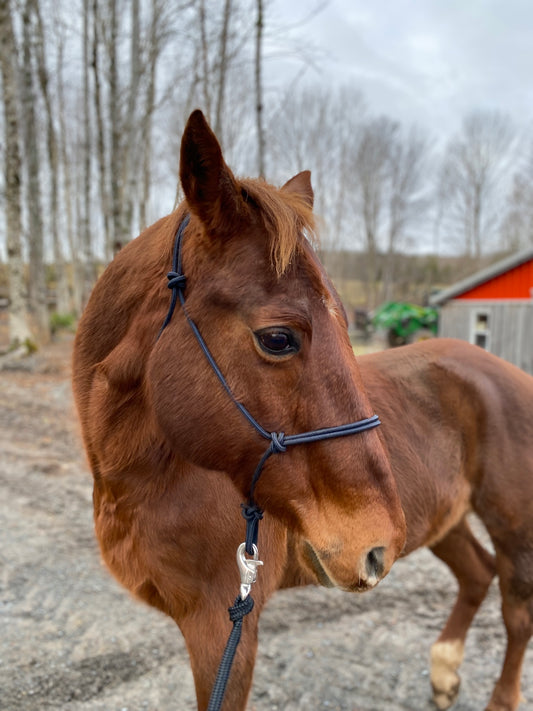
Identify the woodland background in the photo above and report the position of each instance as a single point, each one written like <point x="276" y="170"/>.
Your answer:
<point x="95" y="94"/>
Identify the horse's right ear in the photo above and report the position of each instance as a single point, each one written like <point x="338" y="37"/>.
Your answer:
<point x="209" y="185"/>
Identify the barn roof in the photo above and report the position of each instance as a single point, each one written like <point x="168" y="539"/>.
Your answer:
<point x="483" y="275"/>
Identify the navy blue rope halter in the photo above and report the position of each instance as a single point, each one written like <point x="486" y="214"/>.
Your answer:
<point x="278" y="443"/>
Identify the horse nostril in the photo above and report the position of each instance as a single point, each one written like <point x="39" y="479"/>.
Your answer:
<point x="375" y="562"/>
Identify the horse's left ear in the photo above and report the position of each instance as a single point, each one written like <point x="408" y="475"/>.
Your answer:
<point x="209" y="185"/>
<point x="301" y="184"/>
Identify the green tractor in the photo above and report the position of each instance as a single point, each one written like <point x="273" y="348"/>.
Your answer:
<point x="405" y="323"/>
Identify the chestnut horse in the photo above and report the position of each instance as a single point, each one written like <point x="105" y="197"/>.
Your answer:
<point x="173" y="456"/>
<point x="458" y="423"/>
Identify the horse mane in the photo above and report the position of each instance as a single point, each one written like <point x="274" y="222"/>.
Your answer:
<point x="288" y="217"/>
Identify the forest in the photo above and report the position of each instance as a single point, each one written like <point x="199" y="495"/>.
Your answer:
<point x="95" y="94"/>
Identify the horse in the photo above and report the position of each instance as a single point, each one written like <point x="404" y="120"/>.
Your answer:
<point x="176" y="402"/>
<point x="172" y="455"/>
<point x="458" y="424"/>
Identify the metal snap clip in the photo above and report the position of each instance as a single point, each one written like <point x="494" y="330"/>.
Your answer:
<point x="247" y="569"/>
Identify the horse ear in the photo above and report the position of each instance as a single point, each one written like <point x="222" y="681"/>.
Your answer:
<point x="301" y="184"/>
<point x="209" y="185"/>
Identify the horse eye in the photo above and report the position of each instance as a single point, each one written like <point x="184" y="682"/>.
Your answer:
<point x="277" y="341"/>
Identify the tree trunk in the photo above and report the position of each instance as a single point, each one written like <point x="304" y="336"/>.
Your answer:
<point x="204" y="53"/>
<point x="119" y="239"/>
<point x="19" y="331"/>
<point x="129" y="149"/>
<point x="146" y="128"/>
<point x="76" y="271"/>
<point x="37" y="286"/>
<point x="62" y="294"/>
<point x="88" y="276"/>
<point x="100" y="136"/>
<point x="259" y="91"/>
<point x="222" y="68"/>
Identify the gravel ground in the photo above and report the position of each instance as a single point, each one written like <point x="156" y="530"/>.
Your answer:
<point x="71" y="638"/>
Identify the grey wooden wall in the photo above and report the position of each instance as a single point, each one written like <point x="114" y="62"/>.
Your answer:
<point x="510" y="327"/>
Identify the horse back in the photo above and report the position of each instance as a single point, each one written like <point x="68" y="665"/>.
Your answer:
<point x="458" y="424"/>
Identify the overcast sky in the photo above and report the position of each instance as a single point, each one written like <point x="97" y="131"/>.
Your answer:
<point x="423" y="61"/>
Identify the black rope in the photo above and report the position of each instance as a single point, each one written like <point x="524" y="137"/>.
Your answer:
<point x="252" y="514"/>
<point x="236" y="614"/>
<point x="176" y="280"/>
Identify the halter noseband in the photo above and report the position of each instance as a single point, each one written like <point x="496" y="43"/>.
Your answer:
<point x="278" y="441"/>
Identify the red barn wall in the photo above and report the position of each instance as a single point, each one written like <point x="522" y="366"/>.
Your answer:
<point x="517" y="283"/>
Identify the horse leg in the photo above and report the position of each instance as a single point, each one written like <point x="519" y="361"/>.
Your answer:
<point x="516" y="585"/>
<point x="474" y="569"/>
<point x="206" y="632"/>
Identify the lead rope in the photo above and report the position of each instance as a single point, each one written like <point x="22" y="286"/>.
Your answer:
<point x="278" y="443"/>
<point x="236" y="614"/>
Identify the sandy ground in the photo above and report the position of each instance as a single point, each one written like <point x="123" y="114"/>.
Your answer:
<point x="71" y="638"/>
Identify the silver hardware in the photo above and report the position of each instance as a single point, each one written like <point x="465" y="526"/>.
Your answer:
<point x="247" y="569"/>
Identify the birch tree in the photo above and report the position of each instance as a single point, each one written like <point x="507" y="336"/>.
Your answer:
<point x="63" y="305"/>
<point x="84" y="212"/>
<point x="160" y="32"/>
<point x="36" y="282"/>
<point x="67" y="182"/>
<point x="19" y="330"/>
<point x="103" y="173"/>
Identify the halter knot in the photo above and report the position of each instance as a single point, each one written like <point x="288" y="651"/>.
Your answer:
<point x="176" y="281"/>
<point x="252" y="514"/>
<point x="277" y="442"/>
<point x="240" y="608"/>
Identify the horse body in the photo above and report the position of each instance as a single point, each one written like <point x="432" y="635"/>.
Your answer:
<point x="173" y="457"/>
<point x="459" y="428"/>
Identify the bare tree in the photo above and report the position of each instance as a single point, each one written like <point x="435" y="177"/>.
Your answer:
<point x="67" y="182"/>
<point x="371" y="172"/>
<point x="160" y="33"/>
<point x="84" y="213"/>
<point x="218" y="36"/>
<point x="119" y="238"/>
<point x="130" y="131"/>
<point x="517" y="227"/>
<point x="315" y="127"/>
<point x="103" y="177"/>
<point x="259" y="89"/>
<point x="19" y="331"/>
<point x="407" y="200"/>
<point x="63" y="305"/>
<point x="475" y="165"/>
<point x="37" y="286"/>
<point x="223" y="66"/>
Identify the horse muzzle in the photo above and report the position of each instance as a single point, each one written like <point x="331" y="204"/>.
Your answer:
<point x="368" y="570"/>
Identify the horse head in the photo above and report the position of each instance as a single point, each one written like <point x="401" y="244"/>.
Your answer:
<point x="277" y="331"/>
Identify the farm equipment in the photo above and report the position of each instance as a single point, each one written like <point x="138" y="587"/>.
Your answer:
<point x="405" y="323"/>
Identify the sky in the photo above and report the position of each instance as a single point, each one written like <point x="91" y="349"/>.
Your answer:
<point x="427" y="62"/>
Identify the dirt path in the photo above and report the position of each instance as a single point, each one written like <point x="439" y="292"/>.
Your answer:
<point x="71" y="638"/>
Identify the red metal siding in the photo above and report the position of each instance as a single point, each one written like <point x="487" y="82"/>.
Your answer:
<point x="517" y="283"/>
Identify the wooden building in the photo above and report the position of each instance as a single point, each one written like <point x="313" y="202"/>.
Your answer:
<point x="493" y="309"/>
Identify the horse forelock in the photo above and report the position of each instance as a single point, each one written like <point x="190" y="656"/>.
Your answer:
<point x="288" y="218"/>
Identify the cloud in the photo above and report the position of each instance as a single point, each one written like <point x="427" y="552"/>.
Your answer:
<point x="428" y="62"/>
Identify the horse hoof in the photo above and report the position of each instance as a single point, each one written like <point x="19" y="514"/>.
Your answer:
<point x="444" y="699"/>
<point x="446" y="657"/>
